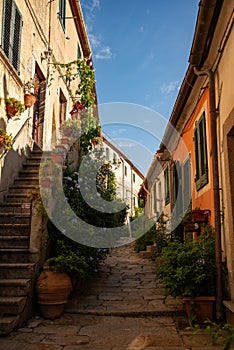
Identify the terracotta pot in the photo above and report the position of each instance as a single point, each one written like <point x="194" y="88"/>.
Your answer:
<point x="2" y="139"/>
<point x="53" y="290"/>
<point x="202" y="307"/>
<point x="11" y="110"/>
<point x="29" y="100"/>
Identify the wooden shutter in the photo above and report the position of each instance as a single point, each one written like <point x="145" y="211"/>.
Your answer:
<point x="62" y="12"/>
<point x="16" y="39"/>
<point x="11" y="32"/>
<point x="187" y="191"/>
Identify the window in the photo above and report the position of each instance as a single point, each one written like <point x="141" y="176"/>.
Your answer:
<point x="11" y="32"/>
<point x="62" y="107"/>
<point x="134" y="177"/>
<point x="201" y="161"/>
<point x="114" y="158"/>
<point x="155" y="199"/>
<point x="125" y="171"/>
<point x="79" y="52"/>
<point x="166" y="186"/>
<point x="187" y="191"/>
<point x="62" y="12"/>
<point x="107" y="154"/>
<point x="134" y="201"/>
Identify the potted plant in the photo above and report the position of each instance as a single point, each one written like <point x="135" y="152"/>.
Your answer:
<point x="53" y="288"/>
<point x="76" y="109"/>
<point x="5" y="140"/>
<point x="14" y="107"/>
<point x="30" y="92"/>
<point x="188" y="271"/>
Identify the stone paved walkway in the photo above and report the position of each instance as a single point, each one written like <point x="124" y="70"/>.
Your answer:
<point x="124" y="308"/>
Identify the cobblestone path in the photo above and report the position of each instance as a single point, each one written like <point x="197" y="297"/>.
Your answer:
<point x="124" y="307"/>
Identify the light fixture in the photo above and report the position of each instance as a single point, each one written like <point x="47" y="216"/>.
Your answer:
<point x="46" y="54"/>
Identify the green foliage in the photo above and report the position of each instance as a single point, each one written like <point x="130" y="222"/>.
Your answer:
<point x="83" y="72"/>
<point x="225" y="332"/>
<point x="156" y="234"/>
<point x="16" y="104"/>
<point x="6" y="141"/>
<point x="188" y="269"/>
<point x="71" y="257"/>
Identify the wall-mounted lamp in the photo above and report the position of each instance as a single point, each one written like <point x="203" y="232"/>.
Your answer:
<point x="46" y="54"/>
<point x="163" y="156"/>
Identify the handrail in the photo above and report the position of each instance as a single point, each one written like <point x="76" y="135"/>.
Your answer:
<point x="15" y="137"/>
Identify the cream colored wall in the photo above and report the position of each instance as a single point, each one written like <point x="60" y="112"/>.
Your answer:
<point x="35" y="40"/>
<point x="124" y="183"/>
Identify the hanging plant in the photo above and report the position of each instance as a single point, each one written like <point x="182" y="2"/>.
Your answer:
<point x="5" y="140"/>
<point x="14" y="107"/>
<point x="80" y="70"/>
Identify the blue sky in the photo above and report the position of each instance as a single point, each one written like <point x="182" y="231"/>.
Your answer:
<point x="140" y="54"/>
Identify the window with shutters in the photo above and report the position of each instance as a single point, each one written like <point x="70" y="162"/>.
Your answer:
<point x="107" y="154"/>
<point x="79" y="52"/>
<point x="166" y="186"/>
<point x="201" y="160"/>
<point x="62" y="107"/>
<point x="155" y="200"/>
<point x="11" y="32"/>
<point x="62" y="13"/>
<point x="187" y="190"/>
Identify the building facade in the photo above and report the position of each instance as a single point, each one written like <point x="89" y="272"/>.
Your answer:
<point x="35" y="35"/>
<point x="128" y="177"/>
<point x="198" y="174"/>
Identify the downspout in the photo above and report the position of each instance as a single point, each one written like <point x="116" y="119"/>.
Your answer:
<point x="216" y="189"/>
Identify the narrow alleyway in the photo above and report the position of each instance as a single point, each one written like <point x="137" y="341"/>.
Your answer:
<point x="124" y="307"/>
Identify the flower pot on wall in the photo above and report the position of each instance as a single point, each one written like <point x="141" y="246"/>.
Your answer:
<point x="201" y="307"/>
<point x="29" y="100"/>
<point x="11" y="110"/>
<point x="53" y="290"/>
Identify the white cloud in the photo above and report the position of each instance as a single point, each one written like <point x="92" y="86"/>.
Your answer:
<point x="94" y="41"/>
<point x="104" y="53"/>
<point x="167" y="89"/>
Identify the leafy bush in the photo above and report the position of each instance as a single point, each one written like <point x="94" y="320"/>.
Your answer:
<point x="188" y="269"/>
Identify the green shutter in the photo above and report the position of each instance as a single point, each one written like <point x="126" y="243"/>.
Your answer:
<point x="201" y="159"/>
<point x="11" y="32"/>
<point x="16" y="39"/>
<point x="62" y="13"/>
<point x="6" y="25"/>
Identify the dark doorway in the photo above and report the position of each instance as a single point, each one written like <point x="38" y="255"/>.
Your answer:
<point x="39" y="109"/>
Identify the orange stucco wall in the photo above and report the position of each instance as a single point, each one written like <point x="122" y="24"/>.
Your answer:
<point x="204" y="197"/>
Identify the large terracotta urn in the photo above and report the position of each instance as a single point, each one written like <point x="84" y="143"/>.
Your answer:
<point x="53" y="290"/>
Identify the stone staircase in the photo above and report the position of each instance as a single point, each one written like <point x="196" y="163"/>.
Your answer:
<point x="149" y="252"/>
<point x="18" y="266"/>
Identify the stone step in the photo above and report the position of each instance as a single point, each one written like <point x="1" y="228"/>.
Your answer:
<point x="11" y="305"/>
<point x="146" y="255"/>
<point x="33" y="159"/>
<point x="17" y="270"/>
<point x="17" y="198"/>
<point x="14" y="241"/>
<point x="28" y="173"/>
<point x="14" y="287"/>
<point x="31" y="165"/>
<point x="26" y="181"/>
<point x="15" y="208"/>
<point x="7" y="324"/>
<point x="13" y="218"/>
<point x="17" y="255"/>
<point x="22" y="189"/>
<point x="14" y="229"/>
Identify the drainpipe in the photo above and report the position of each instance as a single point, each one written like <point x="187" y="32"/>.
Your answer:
<point x="213" y="129"/>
